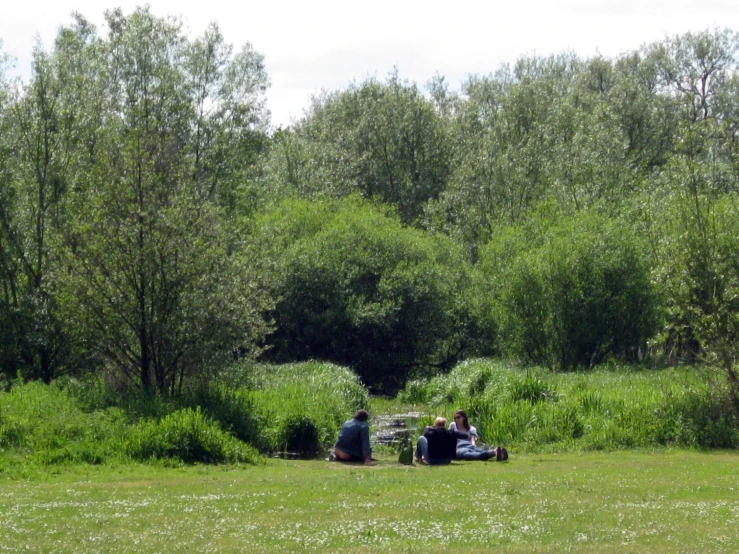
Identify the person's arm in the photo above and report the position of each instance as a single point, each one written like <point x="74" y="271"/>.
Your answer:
<point x="366" y="449"/>
<point x="473" y="436"/>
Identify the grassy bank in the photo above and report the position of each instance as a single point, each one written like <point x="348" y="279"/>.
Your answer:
<point x="299" y="408"/>
<point x="631" y="501"/>
<point x="295" y="407"/>
<point x="606" y="409"/>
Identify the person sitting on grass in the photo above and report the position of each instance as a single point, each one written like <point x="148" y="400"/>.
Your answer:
<point x="353" y="444"/>
<point x="438" y="445"/>
<point x="467" y="448"/>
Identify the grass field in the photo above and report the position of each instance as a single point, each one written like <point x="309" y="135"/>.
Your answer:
<point x="627" y="501"/>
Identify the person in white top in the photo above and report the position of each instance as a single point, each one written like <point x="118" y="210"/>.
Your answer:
<point x="467" y="449"/>
<point x="462" y="425"/>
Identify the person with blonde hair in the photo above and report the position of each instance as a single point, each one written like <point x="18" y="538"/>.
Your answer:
<point x="438" y="445"/>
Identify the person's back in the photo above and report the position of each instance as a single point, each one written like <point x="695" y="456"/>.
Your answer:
<point x="437" y="445"/>
<point x="442" y="443"/>
<point x="353" y="444"/>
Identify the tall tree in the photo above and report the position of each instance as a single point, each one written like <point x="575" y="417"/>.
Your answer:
<point x="41" y="132"/>
<point x="381" y="140"/>
<point x="153" y="274"/>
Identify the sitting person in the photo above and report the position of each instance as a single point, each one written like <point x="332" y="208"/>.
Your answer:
<point x="438" y="445"/>
<point x="462" y="424"/>
<point x="467" y="448"/>
<point x="353" y="444"/>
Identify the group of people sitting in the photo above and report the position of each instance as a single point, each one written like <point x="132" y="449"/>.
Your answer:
<point x="436" y="446"/>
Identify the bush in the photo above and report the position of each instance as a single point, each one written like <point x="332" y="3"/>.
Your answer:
<point x="189" y="436"/>
<point x="572" y="295"/>
<point x="358" y="289"/>
<point x="298" y="434"/>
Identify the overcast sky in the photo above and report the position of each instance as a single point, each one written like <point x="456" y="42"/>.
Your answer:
<point x="326" y="44"/>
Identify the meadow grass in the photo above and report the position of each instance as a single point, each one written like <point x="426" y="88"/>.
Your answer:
<point x="665" y="501"/>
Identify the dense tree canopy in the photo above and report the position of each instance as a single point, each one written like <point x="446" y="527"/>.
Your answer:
<point x="560" y="210"/>
<point x="129" y="150"/>
<point x="357" y="288"/>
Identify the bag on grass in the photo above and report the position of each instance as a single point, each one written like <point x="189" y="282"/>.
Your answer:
<point x="406" y="454"/>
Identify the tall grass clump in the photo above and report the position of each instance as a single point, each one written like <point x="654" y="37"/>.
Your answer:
<point x="606" y="409"/>
<point x="299" y="407"/>
<point x="232" y="407"/>
<point x="188" y="436"/>
<point x="46" y="423"/>
<point x="470" y="378"/>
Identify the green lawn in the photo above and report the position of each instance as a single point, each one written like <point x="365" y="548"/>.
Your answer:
<point x="663" y="501"/>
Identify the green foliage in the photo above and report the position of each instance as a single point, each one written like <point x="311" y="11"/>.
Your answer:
<point x="606" y="409"/>
<point x="358" y="289"/>
<point x="379" y="140"/>
<point x="699" y="271"/>
<point x="292" y="407"/>
<point x="571" y="294"/>
<point x="46" y="423"/>
<point x="531" y="389"/>
<point x="416" y="391"/>
<point x="132" y="150"/>
<point x="233" y="408"/>
<point x="300" y="396"/>
<point x="298" y="433"/>
<point x="187" y="435"/>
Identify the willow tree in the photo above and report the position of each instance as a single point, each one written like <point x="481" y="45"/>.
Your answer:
<point x="154" y="279"/>
<point x="39" y="132"/>
<point x="382" y="140"/>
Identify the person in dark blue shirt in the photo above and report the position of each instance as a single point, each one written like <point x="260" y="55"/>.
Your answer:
<point x="353" y="444"/>
<point x="438" y="445"/>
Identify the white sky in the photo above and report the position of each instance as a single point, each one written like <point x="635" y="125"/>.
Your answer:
<point x="326" y="44"/>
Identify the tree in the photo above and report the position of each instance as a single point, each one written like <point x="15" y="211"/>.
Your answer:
<point x="569" y="292"/>
<point x="40" y="129"/>
<point x="9" y="271"/>
<point x="380" y="140"/>
<point x="358" y="289"/>
<point x="154" y="276"/>
<point x="695" y="65"/>
<point x="647" y="118"/>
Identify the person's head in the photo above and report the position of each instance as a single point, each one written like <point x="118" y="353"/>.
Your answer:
<point x="440" y="422"/>
<point x="361" y="415"/>
<point x="460" y="418"/>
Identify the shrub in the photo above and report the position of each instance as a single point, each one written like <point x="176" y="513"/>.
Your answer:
<point x="572" y="295"/>
<point x="358" y="289"/>
<point x="298" y="434"/>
